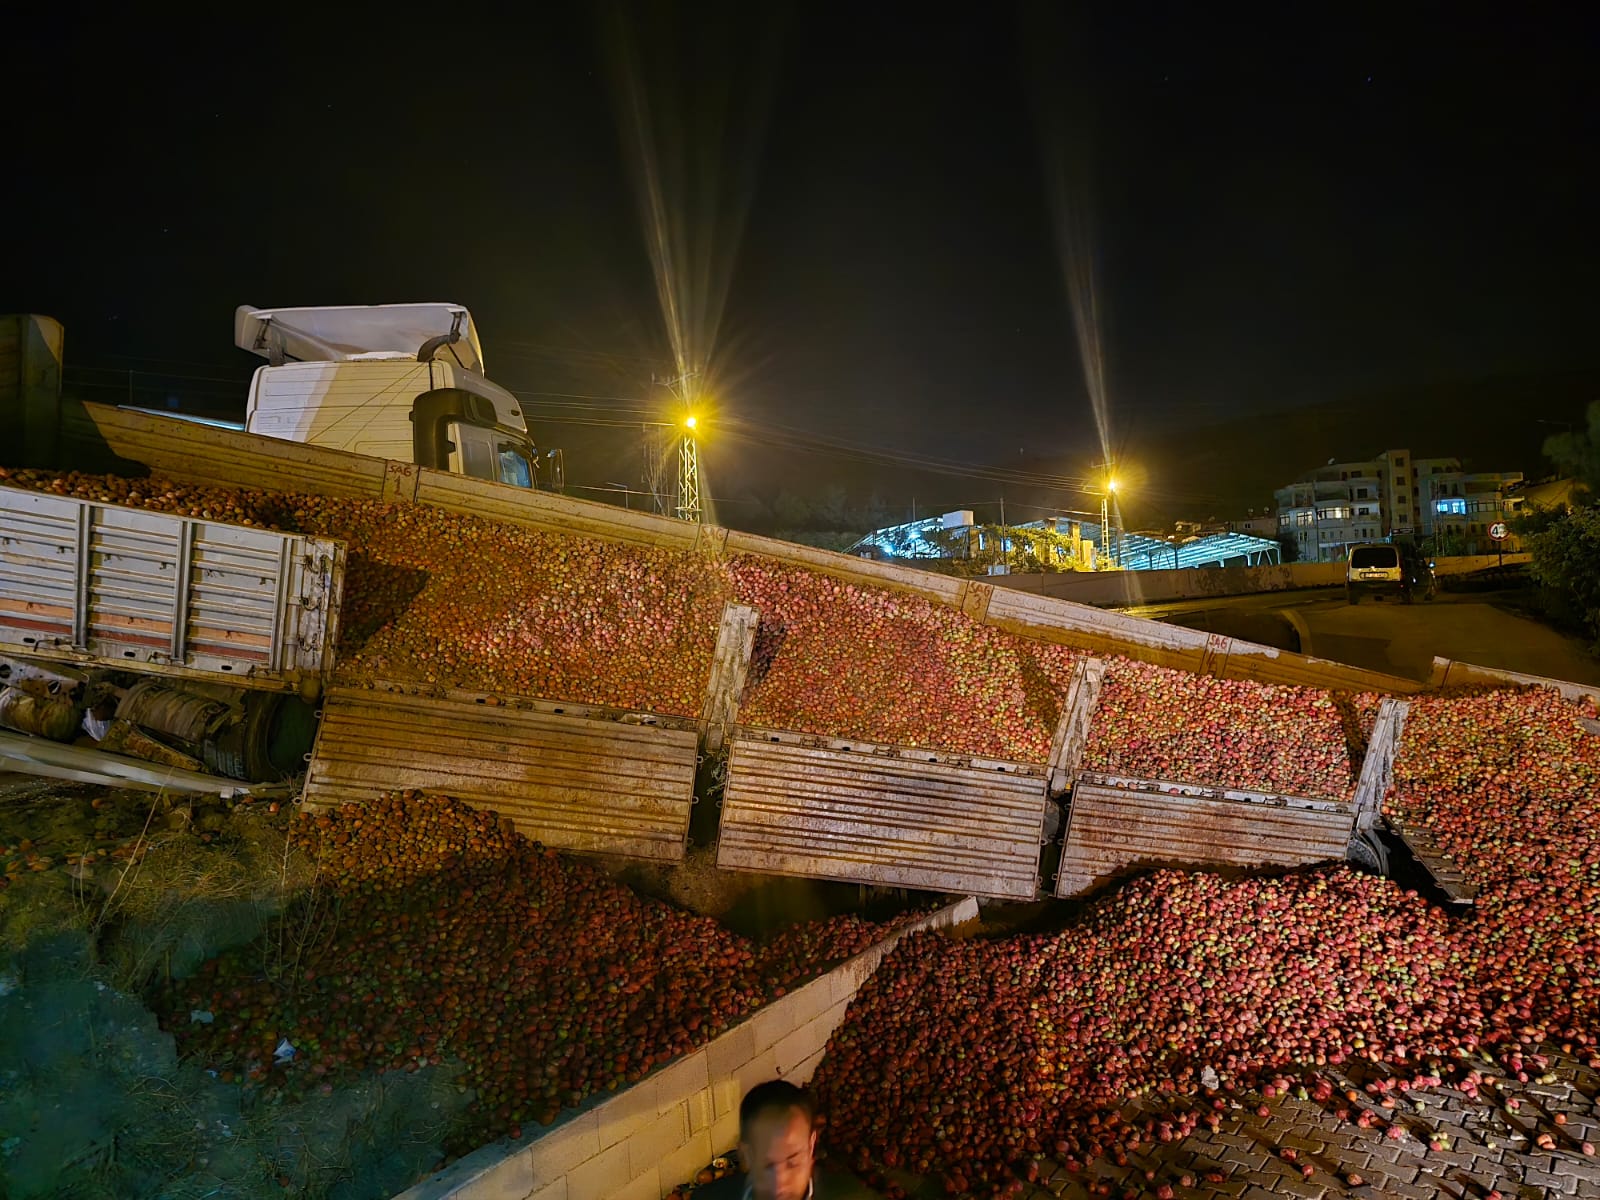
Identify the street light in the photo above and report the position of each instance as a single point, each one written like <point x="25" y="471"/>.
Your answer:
<point x="690" y="421"/>
<point x="1105" y="522"/>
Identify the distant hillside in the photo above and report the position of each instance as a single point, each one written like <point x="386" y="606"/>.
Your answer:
<point x="1215" y="471"/>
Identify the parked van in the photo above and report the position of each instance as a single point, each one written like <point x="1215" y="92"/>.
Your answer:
<point x="1375" y="570"/>
<point x="1383" y="568"/>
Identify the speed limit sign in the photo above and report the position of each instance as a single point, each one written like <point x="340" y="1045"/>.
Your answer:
<point x="1498" y="531"/>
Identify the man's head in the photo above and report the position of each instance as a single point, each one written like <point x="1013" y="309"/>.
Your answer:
<point x="777" y="1140"/>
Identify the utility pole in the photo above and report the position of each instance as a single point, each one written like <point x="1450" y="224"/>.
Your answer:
<point x="655" y="467"/>
<point x="1005" y="543"/>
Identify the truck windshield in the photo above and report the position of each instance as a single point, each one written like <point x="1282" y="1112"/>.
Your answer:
<point x="1371" y="557"/>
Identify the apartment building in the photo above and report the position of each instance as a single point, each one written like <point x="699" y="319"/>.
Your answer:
<point x="1461" y="507"/>
<point x="1334" y="507"/>
<point x="1395" y="494"/>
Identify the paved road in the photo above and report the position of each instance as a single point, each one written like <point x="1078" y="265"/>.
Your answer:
<point x="1389" y="636"/>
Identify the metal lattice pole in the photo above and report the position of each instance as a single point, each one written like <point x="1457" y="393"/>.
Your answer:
<point x="689" y="479"/>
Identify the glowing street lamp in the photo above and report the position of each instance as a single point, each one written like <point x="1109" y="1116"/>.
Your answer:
<point x="1105" y="522"/>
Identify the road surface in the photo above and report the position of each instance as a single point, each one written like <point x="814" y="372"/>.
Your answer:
<point x="1400" y="639"/>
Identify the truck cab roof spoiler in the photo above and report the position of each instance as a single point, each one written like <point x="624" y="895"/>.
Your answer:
<point x="344" y="332"/>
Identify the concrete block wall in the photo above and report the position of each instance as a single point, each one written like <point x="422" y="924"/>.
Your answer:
<point x="1127" y="589"/>
<point x="641" y="1143"/>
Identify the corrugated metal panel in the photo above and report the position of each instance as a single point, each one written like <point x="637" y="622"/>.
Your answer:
<point x="877" y="815"/>
<point x="125" y="586"/>
<point x="1112" y="830"/>
<point x="730" y="666"/>
<point x="571" y="781"/>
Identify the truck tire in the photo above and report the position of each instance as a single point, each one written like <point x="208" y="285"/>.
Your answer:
<point x="1352" y="595"/>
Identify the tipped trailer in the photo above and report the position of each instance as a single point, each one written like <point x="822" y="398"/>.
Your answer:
<point x="589" y="779"/>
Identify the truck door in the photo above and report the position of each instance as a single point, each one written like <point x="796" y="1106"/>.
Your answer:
<point x="487" y="454"/>
<point x="454" y="430"/>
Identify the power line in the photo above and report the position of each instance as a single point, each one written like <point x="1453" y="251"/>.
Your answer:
<point x="628" y="412"/>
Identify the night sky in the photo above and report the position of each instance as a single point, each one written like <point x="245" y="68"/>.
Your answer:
<point x="1279" y="211"/>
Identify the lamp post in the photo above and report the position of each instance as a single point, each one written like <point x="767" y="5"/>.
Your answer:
<point x="1114" y="557"/>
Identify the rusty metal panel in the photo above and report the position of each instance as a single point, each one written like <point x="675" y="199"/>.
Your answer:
<point x="941" y="589"/>
<point x="30" y="388"/>
<point x="191" y="453"/>
<point x="1377" y="765"/>
<point x="129" y="587"/>
<point x="1449" y="673"/>
<point x="1165" y="645"/>
<point x="1113" y="829"/>
<point x="1451" y="879"/>
<point x="567" y="777"/>
<point x="730" y="666"/>
<point x="975" y="598"/>
<point x="1266" y="664"/>
<point x="878" y="814"/>
<point x="1077" y="717"/>
<point x="545" y="510"/>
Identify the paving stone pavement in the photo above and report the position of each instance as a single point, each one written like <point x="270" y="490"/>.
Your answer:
<point x="1453" y="1146"/>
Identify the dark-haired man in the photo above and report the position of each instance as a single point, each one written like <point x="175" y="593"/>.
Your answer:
<point x="778" y="1146"/>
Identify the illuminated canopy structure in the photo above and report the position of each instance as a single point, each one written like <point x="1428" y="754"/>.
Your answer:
<point x="1137" y="552"/>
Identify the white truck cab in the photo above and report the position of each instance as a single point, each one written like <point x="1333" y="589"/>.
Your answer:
<point x="396" y="381"/>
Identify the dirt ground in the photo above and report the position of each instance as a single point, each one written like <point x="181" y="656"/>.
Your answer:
<point x="107" y="895"/>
